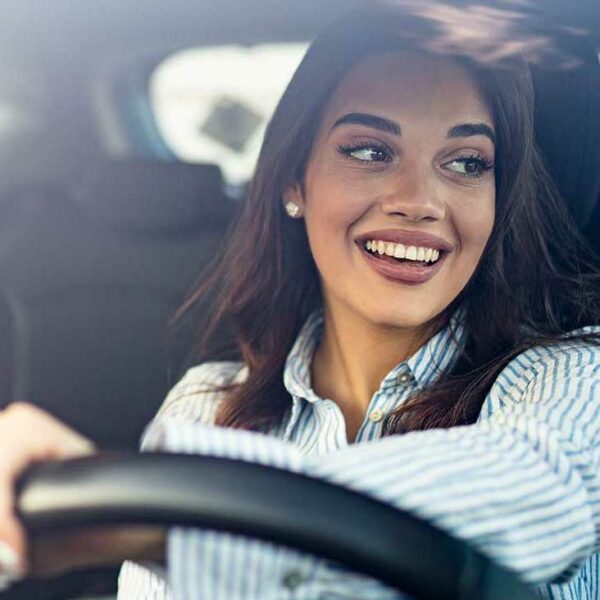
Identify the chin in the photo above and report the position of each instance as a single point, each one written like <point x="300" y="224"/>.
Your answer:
<point x="407" y="318"/>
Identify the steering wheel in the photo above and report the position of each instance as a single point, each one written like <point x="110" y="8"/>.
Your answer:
<point x="331" y="522"/>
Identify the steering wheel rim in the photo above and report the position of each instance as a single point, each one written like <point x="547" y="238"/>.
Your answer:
<point x="303" y="513"/>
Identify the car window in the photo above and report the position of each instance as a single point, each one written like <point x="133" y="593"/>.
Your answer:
<point x="213" y="104"/>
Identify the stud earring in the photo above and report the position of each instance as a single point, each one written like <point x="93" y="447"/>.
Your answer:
<point x="293" y="210"/>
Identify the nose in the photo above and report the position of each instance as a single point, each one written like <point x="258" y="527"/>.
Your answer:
<point x="413" y="195"/>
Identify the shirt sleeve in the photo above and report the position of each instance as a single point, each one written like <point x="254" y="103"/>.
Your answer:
<point x="194" y="399"/>
<point x="522" y="485"/>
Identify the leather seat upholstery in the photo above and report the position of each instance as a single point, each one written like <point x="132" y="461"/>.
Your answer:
<point x="90" y="275"/>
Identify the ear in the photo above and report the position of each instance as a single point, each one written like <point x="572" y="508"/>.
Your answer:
<point x="295" y="194"/>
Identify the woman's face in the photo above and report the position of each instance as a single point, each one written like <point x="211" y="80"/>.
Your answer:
<point x="399" y="192"/>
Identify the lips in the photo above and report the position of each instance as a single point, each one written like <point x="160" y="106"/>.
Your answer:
<point x="406" y="272"/>
<point x="409" y="272"/>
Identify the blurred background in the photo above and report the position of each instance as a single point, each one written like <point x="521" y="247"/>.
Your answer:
<point x="128" y="134"/>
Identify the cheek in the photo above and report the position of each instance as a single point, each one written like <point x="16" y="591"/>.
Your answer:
<point x="333" y="204"/>
<point x="475" y="224"/>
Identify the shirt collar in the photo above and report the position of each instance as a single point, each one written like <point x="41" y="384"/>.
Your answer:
<point x="423" y="367"/>
<point x="296" y="373"/>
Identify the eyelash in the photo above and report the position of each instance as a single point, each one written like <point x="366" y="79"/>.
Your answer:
<point x="347" y="150"/>
<point x="484" y="164"/>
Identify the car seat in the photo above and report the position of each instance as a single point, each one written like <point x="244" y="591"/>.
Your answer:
<point x="89" y="276"/>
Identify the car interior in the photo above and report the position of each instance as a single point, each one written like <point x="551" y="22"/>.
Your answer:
<point x="105" y="224"/>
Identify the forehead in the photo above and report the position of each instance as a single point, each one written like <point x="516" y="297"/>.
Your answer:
<point x="410" y="85"/>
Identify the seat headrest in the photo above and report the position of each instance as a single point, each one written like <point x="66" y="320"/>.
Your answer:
<point x="150" y="195"/>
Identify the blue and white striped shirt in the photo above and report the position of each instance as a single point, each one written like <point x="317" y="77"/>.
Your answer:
<point x="522" y="484"/>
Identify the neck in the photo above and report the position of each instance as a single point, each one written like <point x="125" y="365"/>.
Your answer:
<point x="354" y="356"/>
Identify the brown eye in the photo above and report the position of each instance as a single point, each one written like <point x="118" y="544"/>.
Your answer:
<point x="367" y="152"/>
<point x="469" y="167"/>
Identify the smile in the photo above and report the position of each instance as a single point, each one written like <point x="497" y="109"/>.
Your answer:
<point x="418" y="265"/>
<point x="404" y="256"/>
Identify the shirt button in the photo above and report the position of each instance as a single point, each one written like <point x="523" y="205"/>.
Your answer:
<point x="376" y="415"/>
<point x="293" y="579"/>
<point x="403" y="378"/>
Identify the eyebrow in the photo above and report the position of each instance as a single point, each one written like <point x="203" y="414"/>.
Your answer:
<point x="368" y="120"/>
<point x="470" y="129"/>
<point x="389" y="126"/>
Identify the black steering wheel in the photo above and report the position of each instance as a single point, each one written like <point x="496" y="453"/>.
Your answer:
<point x="314" y="516"/>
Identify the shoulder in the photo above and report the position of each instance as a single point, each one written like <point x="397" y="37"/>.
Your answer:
<point x="197" y="395"/>
<point x="548" y="371"/>
<point x="195" y="398"/>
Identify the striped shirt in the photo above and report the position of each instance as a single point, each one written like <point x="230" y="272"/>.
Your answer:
<point x="522" y="484"/>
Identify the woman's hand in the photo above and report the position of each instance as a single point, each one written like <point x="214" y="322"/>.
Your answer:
<point x="27" y="435"/>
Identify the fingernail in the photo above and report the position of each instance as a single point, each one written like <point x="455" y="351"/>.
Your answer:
<point x="10" y="569"/>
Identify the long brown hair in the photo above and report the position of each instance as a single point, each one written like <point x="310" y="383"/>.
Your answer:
<point x="535" y="283"/>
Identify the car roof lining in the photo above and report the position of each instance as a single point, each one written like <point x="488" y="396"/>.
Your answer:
<point x="97" y="28"/>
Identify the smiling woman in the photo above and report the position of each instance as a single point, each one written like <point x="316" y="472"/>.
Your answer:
<point x="398" y="182"/>
<point x="417" y="317"/>
<point x="378" y="139"/>
<point x="403" y="158"/>
<point x="405" y="265"/>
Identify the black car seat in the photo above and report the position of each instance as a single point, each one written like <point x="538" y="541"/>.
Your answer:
<point x="568" y="131"/>
<point x="89" y="276"/>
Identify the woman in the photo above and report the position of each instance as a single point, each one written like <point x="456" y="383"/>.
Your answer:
<point x="417" y="320"/>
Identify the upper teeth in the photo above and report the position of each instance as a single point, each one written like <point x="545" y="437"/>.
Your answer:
<point x="416" y="253"/>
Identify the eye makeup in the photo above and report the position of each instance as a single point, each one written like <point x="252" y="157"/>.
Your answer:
<point x="474" y="166"/>
<point x="368" y="151"/>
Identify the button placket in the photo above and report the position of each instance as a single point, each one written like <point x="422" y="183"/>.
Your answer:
<point x="376" y="415"/>
<point x="391" y="393"/>
<point x="404" y="377"/>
